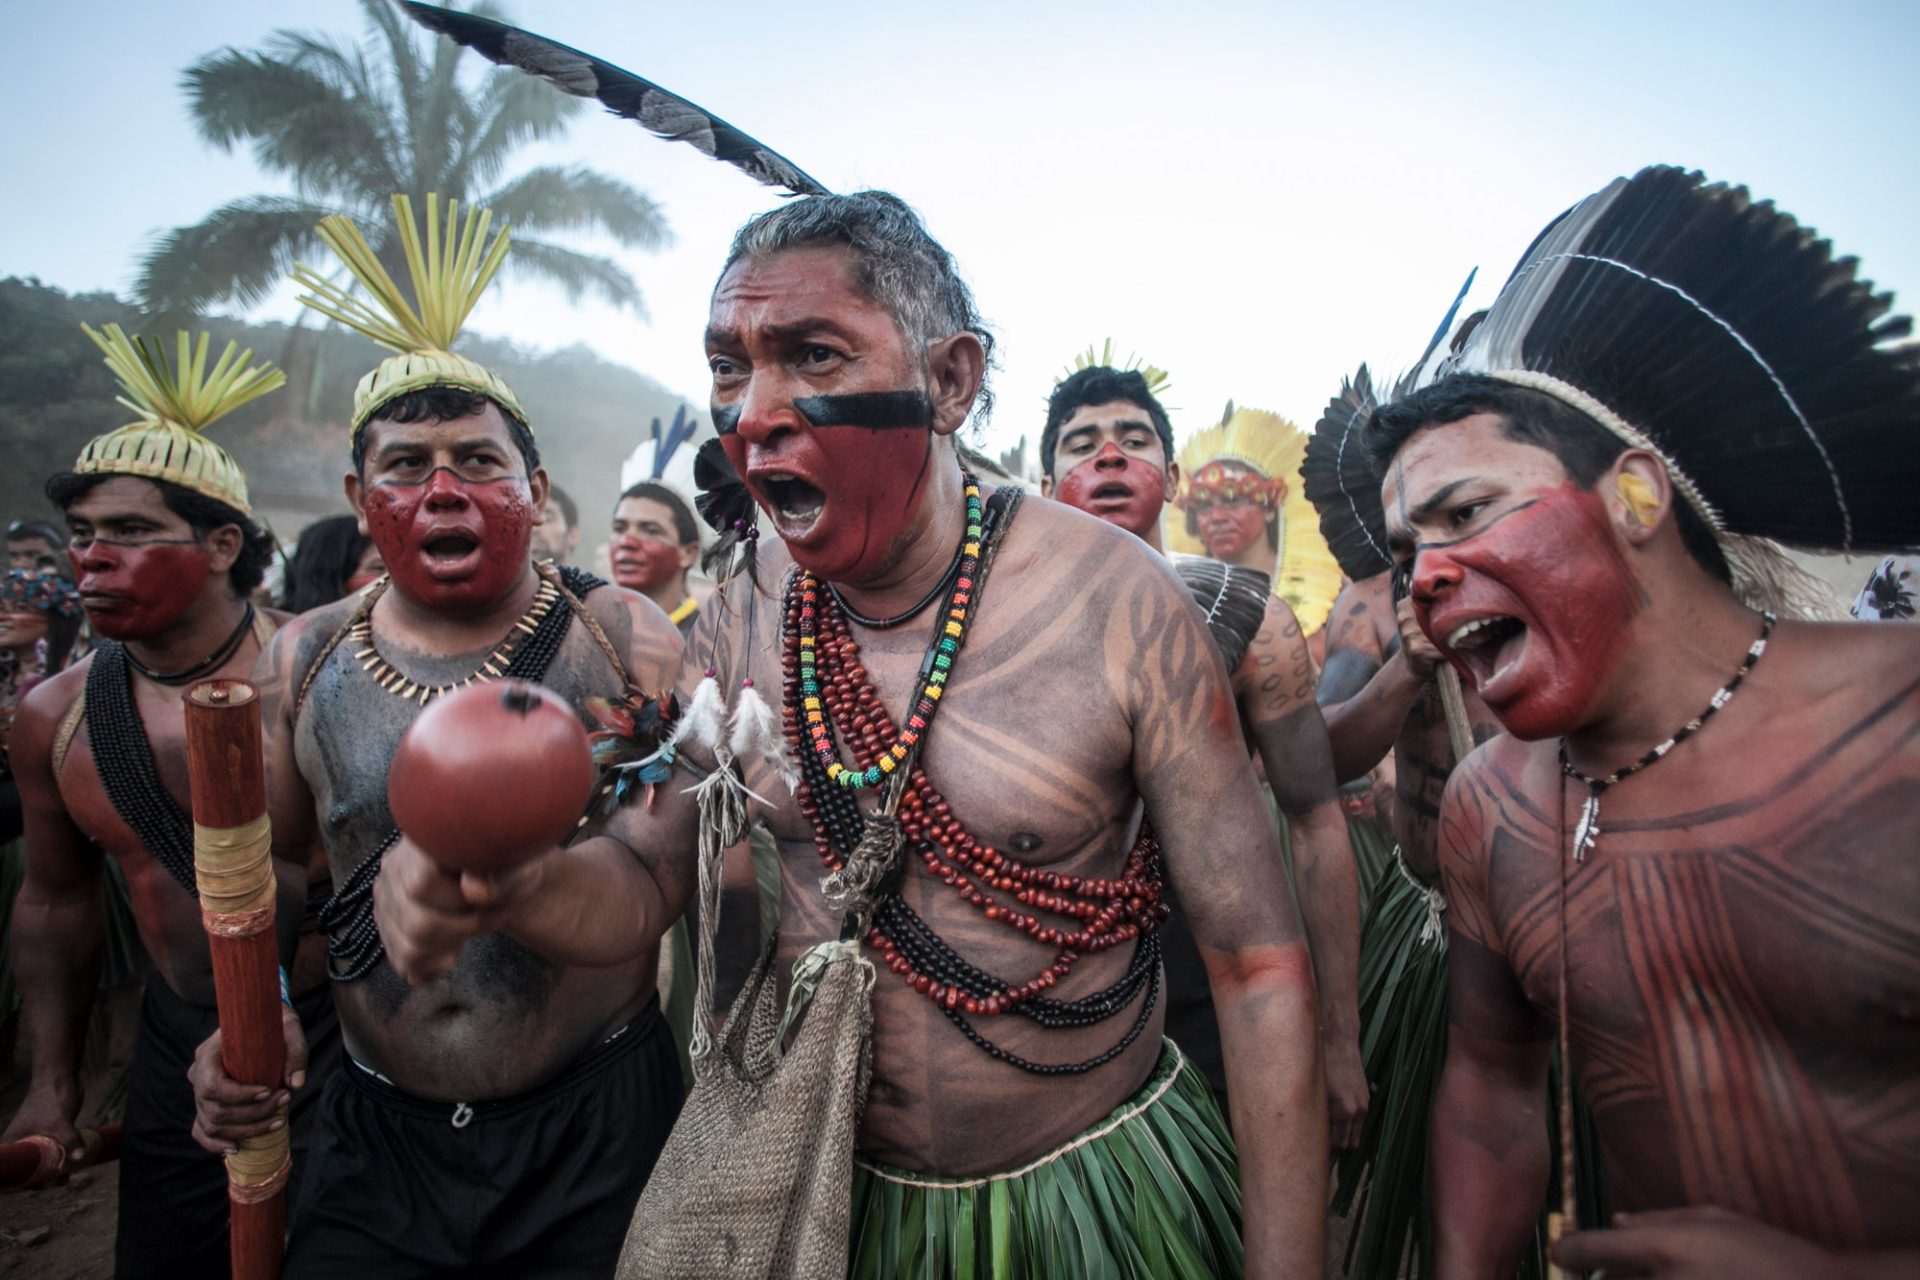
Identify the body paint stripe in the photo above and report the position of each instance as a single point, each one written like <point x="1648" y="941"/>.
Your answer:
<point x="873" y="410"/>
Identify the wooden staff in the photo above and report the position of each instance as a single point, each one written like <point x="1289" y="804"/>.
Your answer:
<point x="233" y="863"/>
<point x="36" y="1159"/>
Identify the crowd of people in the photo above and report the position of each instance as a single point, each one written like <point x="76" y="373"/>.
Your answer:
<point x="1462" y="820"/>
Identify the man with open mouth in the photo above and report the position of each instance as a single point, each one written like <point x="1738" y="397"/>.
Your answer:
<point x="1107" y="449"/>
<point x="470" y="1131"/>
<point x="1000" y="684"/>
<point x="1691" y="854"/>
<point x="165" y="555"/>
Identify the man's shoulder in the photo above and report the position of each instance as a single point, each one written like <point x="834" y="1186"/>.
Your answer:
<point x="49" y="701"/>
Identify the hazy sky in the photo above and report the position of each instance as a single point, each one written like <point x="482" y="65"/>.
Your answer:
<point x="1254" y="196"/>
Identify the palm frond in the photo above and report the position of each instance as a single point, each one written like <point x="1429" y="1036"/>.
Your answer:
<point x="557" y="198"/>
<point x="578" y="274"/>
<point x="184" y="391"/>
<point x="298" y="122"/>
<point x="238" y="251"/>
<point x="513" y="109"/>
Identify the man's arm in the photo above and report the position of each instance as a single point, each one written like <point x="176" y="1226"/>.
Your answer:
<point x="598" y="901"/>
<point x="1489" y="1128"/>
<point x="1365" y="691"/>
<point x="1191" y="766"/>
<point x="1274" y="686"/>
<point x="56" y="928"/>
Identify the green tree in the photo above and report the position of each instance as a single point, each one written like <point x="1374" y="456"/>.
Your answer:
<point x="353" y="124"/>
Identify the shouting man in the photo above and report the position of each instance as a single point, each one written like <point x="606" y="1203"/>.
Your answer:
<point x="166" y="558"/>
<point x="468" y="1134"/>
<point x="1107" y="449"/>
<point x="1017" y="1056"/>
<point x="1692" y="852"/>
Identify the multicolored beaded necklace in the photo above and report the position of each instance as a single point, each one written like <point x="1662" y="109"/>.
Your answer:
<point x="825" y="682"/>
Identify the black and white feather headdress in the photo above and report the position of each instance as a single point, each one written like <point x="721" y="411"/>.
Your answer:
<point x="1711" y="328"/>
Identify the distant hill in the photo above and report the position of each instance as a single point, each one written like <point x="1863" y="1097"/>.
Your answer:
<point x="56" y="393"/>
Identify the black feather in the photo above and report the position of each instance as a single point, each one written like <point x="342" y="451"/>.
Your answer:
<point x="728" y="508"/>
<point x="1732" y="336"/>
<point x="665" y="114"/>
<point x="1339" y="481"/>
<point x="1233" y="598"/>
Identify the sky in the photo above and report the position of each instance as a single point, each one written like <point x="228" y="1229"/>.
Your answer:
<point x="1254" y="197"/>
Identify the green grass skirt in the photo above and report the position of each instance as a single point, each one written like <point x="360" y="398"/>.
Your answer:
<point x="1152" y="1190"/>
<point x="1385" y="1183"/>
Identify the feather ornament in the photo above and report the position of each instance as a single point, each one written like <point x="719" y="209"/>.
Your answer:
<point x="1338" y="479"/>
<point x="727" y="506"/>
<point x="705" y="723"/>
<point x="666" y="115"/>
<point x="755" y="734"/>
<point x="1714" y="328"/>
<point x="1232" y="598"/>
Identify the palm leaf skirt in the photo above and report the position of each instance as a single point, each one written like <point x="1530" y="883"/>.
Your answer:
<point x="1153" y="1190"/>
<point x="1384" y="1183"/>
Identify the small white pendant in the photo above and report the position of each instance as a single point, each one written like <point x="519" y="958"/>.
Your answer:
<point x="1587" y="832"/>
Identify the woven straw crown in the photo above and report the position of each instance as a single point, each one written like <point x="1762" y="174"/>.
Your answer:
<point x="451" y="265"/>
<point x="175" y="403"/>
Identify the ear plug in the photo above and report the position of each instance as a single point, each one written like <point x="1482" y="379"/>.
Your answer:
<point x="1638" y="495"/>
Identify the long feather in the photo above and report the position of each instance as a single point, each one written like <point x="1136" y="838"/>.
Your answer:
<point x="666" y="115"/>
<point x="1234" y="600"/>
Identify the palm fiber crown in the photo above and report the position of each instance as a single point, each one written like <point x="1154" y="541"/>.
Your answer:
<point x="451" y="266"/>
<point x="176" y="402"/>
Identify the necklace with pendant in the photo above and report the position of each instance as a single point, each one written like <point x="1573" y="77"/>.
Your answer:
<point x="492" y="667"/>
<point x="1586" y="833"/>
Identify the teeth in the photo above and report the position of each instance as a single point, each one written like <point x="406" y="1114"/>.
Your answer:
<point x="1464" y="630"/>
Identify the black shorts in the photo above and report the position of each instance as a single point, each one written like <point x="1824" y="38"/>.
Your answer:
<point x="538" y="1185"/>
<point x="173" y="1192"/>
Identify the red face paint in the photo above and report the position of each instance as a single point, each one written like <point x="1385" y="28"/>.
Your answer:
<point x="1122" y="490"/>
<point x="1551" y="564"/>
<point x="859" y="490"/>
<point x="136" y="591"/>
<point x="449" y="543"/>
<point x="643" y="564"/>
<point x="1229" y="530"/>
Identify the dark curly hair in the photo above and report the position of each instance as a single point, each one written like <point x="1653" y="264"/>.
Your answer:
<point x="444" y="404"/>
<point x="1099" y="384"/>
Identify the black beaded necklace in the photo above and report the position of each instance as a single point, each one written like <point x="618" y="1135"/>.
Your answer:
<point x="228" y="647"/>
<point x="353" y="940"/>
<point x="123" y="757"/>
<point x="1586" y="833"/>
<point x="940" y="589"/>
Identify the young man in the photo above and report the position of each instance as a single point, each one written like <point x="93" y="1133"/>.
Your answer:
<point x="166" y="560"/>
<point x="1107" y="449"/>
<point x="655" y="542"/>
<point x="846" y="353"/>
<point x="1720" y="914"/>
<point x="469" y="1134"/>
<point x="557" y="534"/>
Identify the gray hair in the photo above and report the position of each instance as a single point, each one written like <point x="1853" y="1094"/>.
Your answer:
<point x="896" y="263"/>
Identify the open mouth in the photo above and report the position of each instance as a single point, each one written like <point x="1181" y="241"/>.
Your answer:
<point x="1490" y="646"/>
<point x="450" y="546"/>
<point x="794" y="503"/>
<point x="1112" y="490"/>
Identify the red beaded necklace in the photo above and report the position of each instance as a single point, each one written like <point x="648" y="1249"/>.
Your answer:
<point x="1104" y="912"/>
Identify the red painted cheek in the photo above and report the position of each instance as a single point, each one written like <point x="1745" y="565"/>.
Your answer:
<point x="1137" y="511"/>
<point x="1228" y="531"/>
<point x="146" y="589"/>
<point x="657" y="563"/>
<point x="875" y="482"/>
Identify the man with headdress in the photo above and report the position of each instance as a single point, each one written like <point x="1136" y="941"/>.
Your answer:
<point x="1107" y="449"/>
<point x="1381" y="694"/>
<point x="1691" y="854"/>
<point x="473" y="1130"/>
<point x="166" y="554"/>
<point x="1017" y="1069"/>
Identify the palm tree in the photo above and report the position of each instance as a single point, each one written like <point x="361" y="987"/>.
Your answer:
<point x="352" y="125"/>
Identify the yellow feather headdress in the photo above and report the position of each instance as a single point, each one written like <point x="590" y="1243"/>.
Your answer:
<point x="1102" y="356"/>
<point x="1268" y="450"/>
<point x="451" y="265"/>
<point x="176" y="402"/>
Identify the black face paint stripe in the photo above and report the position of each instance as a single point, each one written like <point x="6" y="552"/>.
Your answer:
<point x="874" y="410"/>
